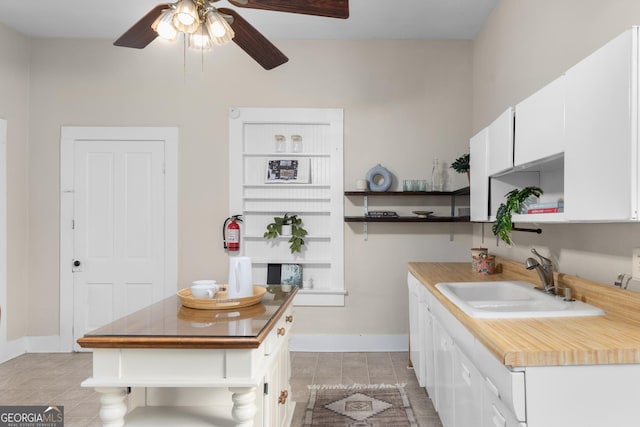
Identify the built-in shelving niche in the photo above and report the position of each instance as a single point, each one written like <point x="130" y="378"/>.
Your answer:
<point x="318" y="202"/>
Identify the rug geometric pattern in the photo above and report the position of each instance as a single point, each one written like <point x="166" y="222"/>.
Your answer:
<point x="359" y="405"/>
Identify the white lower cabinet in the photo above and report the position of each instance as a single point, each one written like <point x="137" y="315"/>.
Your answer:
<point x="470" y="387"/>
<point x="467" y="385"/>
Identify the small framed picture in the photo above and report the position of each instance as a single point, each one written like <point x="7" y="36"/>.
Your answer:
<point x="284" y="274"/>
<point x="292" y="171"/>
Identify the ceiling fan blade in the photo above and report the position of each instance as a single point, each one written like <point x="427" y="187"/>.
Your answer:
<point x="328" y="8"/>
<point x="255" y="44"/>
<point x="141" y="33"/>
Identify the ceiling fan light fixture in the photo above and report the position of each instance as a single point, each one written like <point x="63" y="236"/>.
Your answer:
<point x="218" y="28"/>
<point x="200" y="40"/>
<point x="185" y="17"/>
<point x="164" y="26"/>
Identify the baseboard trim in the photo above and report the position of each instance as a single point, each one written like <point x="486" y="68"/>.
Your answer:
<point x="47" y="344"/>
<point x="348" y="343"/>
<point x="13" y="349"/>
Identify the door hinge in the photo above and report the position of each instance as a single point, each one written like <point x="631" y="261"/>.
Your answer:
<point x="266" y="388"/>
<point x="164" y="168"/>
<point x="73" y="224"/>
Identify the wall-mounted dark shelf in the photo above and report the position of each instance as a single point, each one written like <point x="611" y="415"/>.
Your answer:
<point x="408" y="219"/>
<point x="452" y="194"/>
<point x="465" y="191"/>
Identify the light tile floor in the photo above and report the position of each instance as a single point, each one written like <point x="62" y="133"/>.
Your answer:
<point x="44" y="379"/>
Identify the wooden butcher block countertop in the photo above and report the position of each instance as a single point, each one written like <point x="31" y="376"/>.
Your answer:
<point x="609" y="339"/>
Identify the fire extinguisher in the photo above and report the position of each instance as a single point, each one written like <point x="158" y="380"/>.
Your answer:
<point x="231" y="233"/>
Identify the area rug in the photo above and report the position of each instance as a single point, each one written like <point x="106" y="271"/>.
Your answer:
<point x="359" y="405"/>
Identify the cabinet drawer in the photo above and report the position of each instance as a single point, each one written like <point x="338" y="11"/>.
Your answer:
<point x="280" y="333"/>
<point x="495" y="413"/>
<point x="505" y="384"/>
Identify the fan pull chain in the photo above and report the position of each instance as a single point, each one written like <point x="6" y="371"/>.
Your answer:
<point x="184" y="58"/>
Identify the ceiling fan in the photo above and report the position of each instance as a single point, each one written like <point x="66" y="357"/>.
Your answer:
<point x="205" y="24"/>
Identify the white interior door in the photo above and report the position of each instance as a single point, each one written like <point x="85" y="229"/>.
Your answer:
<point x="121" y="246"/>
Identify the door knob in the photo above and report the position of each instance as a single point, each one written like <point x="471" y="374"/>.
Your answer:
<point x="76" y="263"/>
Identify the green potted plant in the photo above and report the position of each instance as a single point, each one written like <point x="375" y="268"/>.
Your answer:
<point x="461" y="165"/>
<point x="287" y="225"/>
<point x="515" y="198"/>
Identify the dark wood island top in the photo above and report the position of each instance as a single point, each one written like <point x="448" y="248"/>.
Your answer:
<point x="168" y="324"/>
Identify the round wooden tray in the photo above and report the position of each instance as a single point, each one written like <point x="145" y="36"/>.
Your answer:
<point x="220" y="316"/>
<point x="220" y="302"/>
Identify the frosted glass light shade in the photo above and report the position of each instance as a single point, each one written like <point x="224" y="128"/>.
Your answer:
<point x="200" y="40"/>
<point x="218" y="28"/>
<point x="185" y="18"/>
<point x="164" y="26"/>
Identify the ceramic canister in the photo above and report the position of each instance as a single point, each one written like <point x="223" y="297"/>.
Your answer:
<point x="486" y="264"/>
<point x="477" y="252"/>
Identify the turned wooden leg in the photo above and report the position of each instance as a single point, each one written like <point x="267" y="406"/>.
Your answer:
<point x="244" y="405"/>
<point x="112" y="406"/>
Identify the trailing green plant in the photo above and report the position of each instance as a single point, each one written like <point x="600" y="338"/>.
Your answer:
<point x="504" y="225"/>
<point x="461" y="164"/>
<point x="296" y="240"/>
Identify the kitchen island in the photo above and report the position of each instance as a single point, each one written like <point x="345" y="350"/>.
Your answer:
<point x="172" y="365"/>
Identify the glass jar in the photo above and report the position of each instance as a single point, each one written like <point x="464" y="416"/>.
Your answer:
<point x="296" y="143"/>
<point x="281" y="144"/>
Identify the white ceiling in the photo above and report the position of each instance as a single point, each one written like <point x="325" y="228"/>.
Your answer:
<point x="369" y="19"/>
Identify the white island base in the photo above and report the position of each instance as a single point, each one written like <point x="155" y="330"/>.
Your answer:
<point x="178" y="378"/>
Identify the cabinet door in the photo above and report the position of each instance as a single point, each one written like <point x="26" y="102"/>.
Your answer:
<point x="501" y="143"/>
<point x="443" y="352"/>
<point x="414" y="330"/>
<point x="467" y="391"/>
<point x="601" y="148"/>
<point x="539" y="124"/>
<point x="479" y="199"/>
<point x="429" y="361"/>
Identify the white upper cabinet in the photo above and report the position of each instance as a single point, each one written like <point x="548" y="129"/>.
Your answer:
<point x="479" y="199"/>
<point x="501" y="143"/>
<point x="539" y="124"/>
<point x="601" y="154"/>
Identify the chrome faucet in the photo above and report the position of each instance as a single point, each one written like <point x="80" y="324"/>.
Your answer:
<point x="544" y="269"/>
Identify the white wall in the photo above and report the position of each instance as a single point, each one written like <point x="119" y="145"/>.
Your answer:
<point x="405" y="102"/>
<point x="15" y="52"/>
<point x="523" y="46"/>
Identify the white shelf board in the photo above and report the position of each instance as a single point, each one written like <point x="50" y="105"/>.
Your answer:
<point x="308" y="236"/>
<point x="172" y="416"/>
<point x="277" y="155"/>
<point x="292" y="261"/>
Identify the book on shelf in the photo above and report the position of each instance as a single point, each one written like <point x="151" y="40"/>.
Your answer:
<point x="544" y="210"/>
<point x="382" y="214"/>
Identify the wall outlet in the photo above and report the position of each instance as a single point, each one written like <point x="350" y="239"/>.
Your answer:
<point x="635" y="264"/>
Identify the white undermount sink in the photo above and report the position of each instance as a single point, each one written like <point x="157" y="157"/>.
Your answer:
<point x="509" y="299"/>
